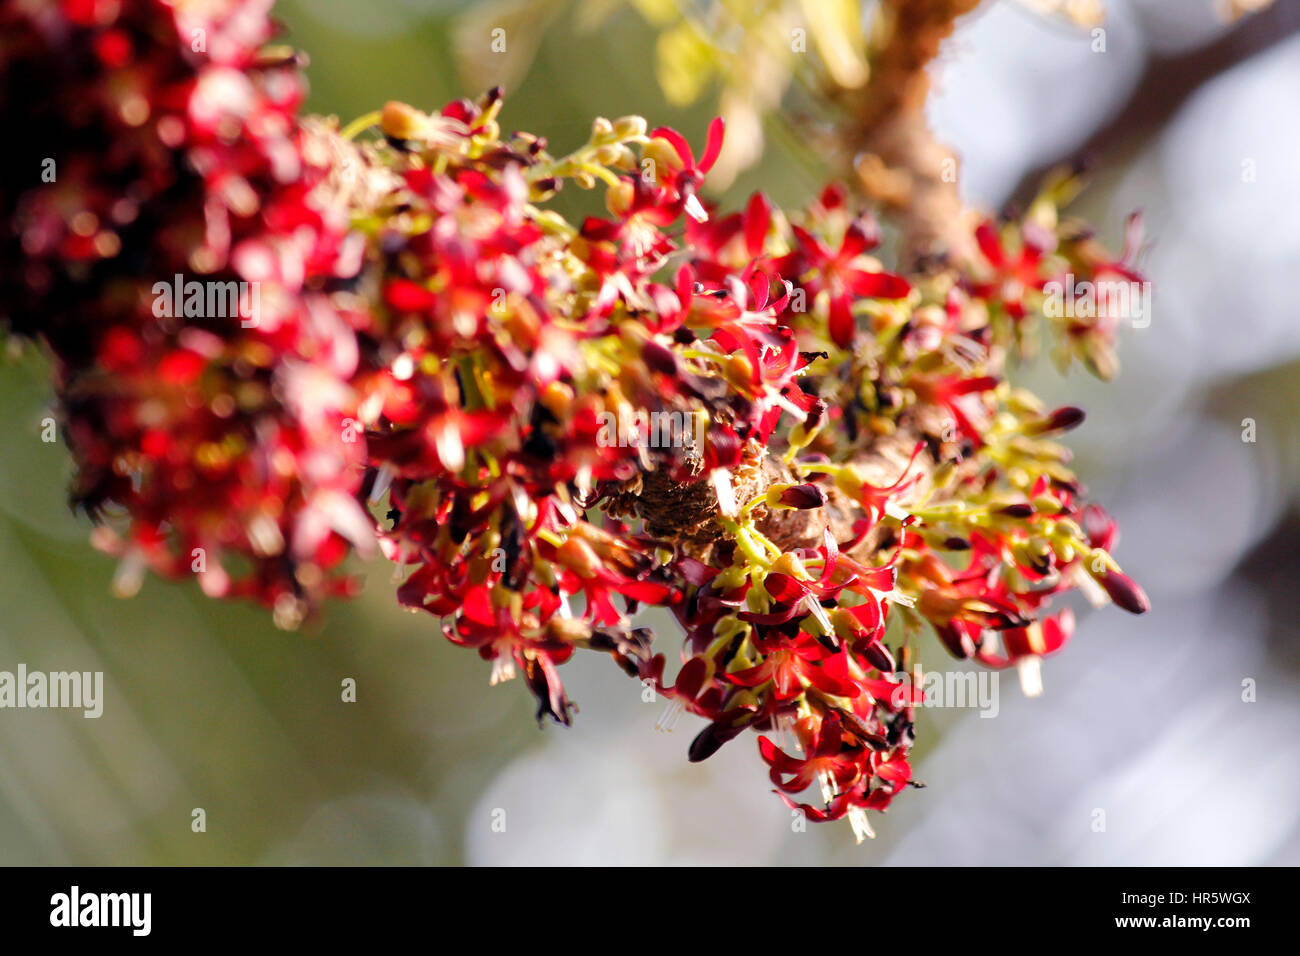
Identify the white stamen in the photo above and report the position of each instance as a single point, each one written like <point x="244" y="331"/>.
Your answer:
<point x="400" y="566"/>
<point x="383" y="479"/>
<point x="799" y="414"/>
<point x="896" y="596"/>
<point x="503" y="669"/>
<point x="1030" y="670"/>
<point x="265" y="537"/>
<point x="523" y="504"/>
<point x="451" y="450"/>
<point x="368" y="411"/>
<point x="720" y="478"/>
<point x="895" y="510"/>
<point x="861" y="828"/>
<point x="566" y="510"/>
<point x="129" y="575"/>
<point x="695" y="209"/>
<point x="815" y="608"/>
<point x="785" y="727"/>
<point x="668" y="719"/>
<point x="827" y="784"/>
<point x="1093" y="591"/>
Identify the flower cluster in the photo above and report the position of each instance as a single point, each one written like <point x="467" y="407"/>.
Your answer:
<point x="187" y="257"/>
<point x="834" y="459"/>
<point x="862" y="448"/>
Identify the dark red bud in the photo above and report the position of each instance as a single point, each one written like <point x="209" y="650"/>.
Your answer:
<point x="1061" y="420"/>
<point x="803" y="497"/>
<point x="958" y="642"/>
<point x="815" y="414"/>
<point x="1017" y="511"/>
<point x="1124" y="591"/>
<point x="877" y="654"/>
<point x="709" y="741"/>
<point x="1066" y="418"/>
<point x="659" y="358"/>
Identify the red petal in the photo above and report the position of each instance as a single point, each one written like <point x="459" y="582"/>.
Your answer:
<point x="678" y="143"/>
<point x="407" y="296"/>
<point x="750" y="676"/>
<point x="841" y="325"/>
<point x="878" y="285"/>
<point x="987" y="238"/>
<point x="758" y="216"/>
<point x="712" y="145"/>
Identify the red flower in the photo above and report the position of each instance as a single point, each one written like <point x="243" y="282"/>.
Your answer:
<point x="842" y="276"/>
<point x="790" y="666"/>
<point x="826" y="757"/>
<point x="685" y="176"/>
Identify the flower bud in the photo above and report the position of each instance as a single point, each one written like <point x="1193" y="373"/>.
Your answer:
<point x="609" y="154"/>
<point x="1061" y="420"/>
<point x="629" y="127"/>
<point x="1124" y="591"/>
<point x="402" y="122"/>
<point x="618" y="199"/>
<point x="801" y="497"/>
<point x="660" y="152"/>
<point x="578" y="556"/>
<point x="790" y="564"/>
<point x="877" y="654"/>
<point x="659" y="358"/>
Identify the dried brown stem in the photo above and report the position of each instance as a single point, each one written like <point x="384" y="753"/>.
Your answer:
<point x="898" y="162"/>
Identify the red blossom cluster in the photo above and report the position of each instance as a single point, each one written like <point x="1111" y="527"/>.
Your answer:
<point x="846" y="461"/>
<point x="173" y="237"/>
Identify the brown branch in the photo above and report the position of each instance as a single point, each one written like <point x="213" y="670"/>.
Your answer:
<point x="898" y="162"/>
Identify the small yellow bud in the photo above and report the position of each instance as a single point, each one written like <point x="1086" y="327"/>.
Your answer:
<point x="618" y="199"/>
<point x="400" y="121"/>
<point x="790" y="564"/>
<point x="629" y="127"/>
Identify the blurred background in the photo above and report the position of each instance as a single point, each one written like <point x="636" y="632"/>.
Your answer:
<point x="1176" y="731"/>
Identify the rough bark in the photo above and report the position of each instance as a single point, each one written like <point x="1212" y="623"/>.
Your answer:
<point x="898" y="162"/>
